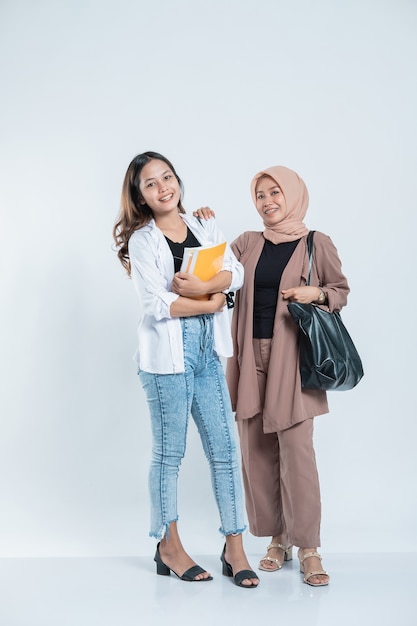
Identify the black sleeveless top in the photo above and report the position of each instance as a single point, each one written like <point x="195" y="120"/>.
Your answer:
<point x="268" y="273"/>
<point x="177" y="249"/>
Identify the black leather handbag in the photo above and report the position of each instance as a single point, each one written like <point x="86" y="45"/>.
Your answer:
<point x="328" y="357"/>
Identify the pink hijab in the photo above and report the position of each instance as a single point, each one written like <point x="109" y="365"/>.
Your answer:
<point x="295" y="193"/>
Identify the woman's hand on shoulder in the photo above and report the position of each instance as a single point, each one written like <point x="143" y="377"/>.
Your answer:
<point x="303" y="295"/>
<point x="204" y="213"/>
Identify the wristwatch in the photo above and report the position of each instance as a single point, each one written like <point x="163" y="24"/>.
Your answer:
<point x="322" y="297"/>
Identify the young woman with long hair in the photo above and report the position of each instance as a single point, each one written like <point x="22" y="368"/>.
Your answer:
<point x="181" y="336"/>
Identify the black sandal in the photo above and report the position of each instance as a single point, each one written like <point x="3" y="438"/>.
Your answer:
<point x="238" y="578"/>
<point x="188" y="576"/>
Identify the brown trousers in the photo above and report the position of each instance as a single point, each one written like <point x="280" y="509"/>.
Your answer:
<point x="280" y="473"/>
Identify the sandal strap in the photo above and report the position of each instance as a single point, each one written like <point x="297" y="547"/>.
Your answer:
<point x="244" y="574"/>
<point x="269" y="558"/>
<point x="308" y="555"/>
<point x="279" y="546"/>
<point x="192" y="572"/>
<point x="318" y="573"/>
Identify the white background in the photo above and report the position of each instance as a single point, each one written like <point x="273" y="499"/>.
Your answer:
<point x="223" y="89"/>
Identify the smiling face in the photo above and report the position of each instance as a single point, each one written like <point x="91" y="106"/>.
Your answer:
<point x="159" y="187"/>
<point x="270" y="201"/>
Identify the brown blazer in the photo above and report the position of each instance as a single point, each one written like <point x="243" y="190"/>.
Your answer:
<point x="286" y="403"/>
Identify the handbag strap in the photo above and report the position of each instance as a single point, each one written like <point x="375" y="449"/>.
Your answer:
<point x="310" y="248"/>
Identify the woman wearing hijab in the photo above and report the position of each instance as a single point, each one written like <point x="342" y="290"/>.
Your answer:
<point x="274" y="413"/>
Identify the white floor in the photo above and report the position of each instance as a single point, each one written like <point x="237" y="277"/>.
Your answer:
<point x="365" y="589"/>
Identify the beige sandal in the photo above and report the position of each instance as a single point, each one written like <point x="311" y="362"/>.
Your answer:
<point x="309" y="575"/>
<point x="287" y="557"/>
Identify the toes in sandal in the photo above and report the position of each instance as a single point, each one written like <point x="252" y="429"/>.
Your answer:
<point x="239" y="577"/>
<point x="309" y="575"/>
<point x="188" y="576"/>
<point x="287" y="557"/>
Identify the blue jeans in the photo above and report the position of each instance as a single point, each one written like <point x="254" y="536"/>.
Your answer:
<point x="202" y="391"/>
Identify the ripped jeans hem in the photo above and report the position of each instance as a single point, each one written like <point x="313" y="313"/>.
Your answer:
<point x="239" y="531"/>
<point x="163" y="532"/>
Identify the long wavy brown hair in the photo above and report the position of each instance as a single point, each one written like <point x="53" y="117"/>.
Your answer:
<point x="133" y="214"/>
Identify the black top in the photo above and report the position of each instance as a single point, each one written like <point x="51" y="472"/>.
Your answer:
<point x="268" y="273"/>
<point x="177" y="249"/>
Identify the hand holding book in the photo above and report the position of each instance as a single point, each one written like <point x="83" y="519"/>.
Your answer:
<point x="199" y="265"/>
<point x="189" y="286"/>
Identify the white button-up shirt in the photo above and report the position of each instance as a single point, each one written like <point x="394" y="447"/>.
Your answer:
<point x="160" y="349"/>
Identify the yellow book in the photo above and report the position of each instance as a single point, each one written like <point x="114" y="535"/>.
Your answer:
<point x="204" y="261"/>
